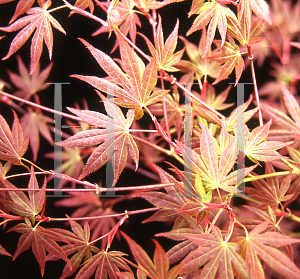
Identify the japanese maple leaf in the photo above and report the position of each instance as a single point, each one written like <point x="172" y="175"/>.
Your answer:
<point x="40" y="239"/>
<point x="259" y="7"/>
<point x="164" y="51"/>
<point x="79" y="244"/>
<point x="263" y="245"/>
<point x="197" y="66"/>
<point x="247" y="32"/>
<point x="4" y="252"/>
<point x="72" y="162"/>
<point x="22" y="7"/>
<point x="33" y="124"/>
<point x="38" y="19"/>
<point x="89" y="204"/>
<point x="230" y="55"/>
<point x="231" y="120"/>
<point x="219" y="259"/>
<point x="145" y="5"/>
<point x="181" y="201"/>
<point x="126" y="19"/>
<point x="214" y="170"/>
<point x="29" y="85"/>
<point x="175" y="112"/>
<point x="13" y="145"/>
<point x="156" y="269"/>
<point x="105" y="265"/>
<point x="4" y="196"/>
<point x="256" y="146"/>
<point x="269" y="192"/>
<point x="215" y="102"/>
<point x="137" y="85"/>
<point x="217" y="15"/>
<point x="114" y="137"/>
<point x="288" y="127"/>
<point x="20" y="204"/>
<point x="83" y="4"/>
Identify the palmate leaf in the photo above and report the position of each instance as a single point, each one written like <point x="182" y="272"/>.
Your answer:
<point x="79" y="244"/>
<point x="216" y="256"/>
<point x="40" y="239"/>
<point x="215" y="171"/>
<point x="106" y="264"/>
<point x="230" y="55"/>
<point x="152" y="4"/>
<point x="114" y="136"/>
<point x="217" y="15"/>
<point x="37" y="19"/>
<point x="289" y="127"/>
<point x="269" y="192"/>
<point x="156" y="269"/>
<point x="136" y="86"/>
<point x="29" y="85"/>
<point x="89" y="204"/>
<point x="13" y="145"/>
<point x="164" y="51"/>
<point x="256" y="146"/>
<point x="126" y="18"/>
<point x="20" y="204"/>
<point x="263" y="245"/>
<point x="198" y="66"/>
<point x="34" y="124"/>
<point x="83" y="4"/>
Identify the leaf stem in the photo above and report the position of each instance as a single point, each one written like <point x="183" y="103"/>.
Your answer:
<point x="57" y="8"/>
<point x="39" y="106"/>
<point x="29" y="162"/>
<point x="133" y="212"/>
<point x="250" y="57"/>
<point x="99" y="189"/>
<point x="85" y="13"/>
<point x="281" y="173"/>
<point x="169" y="78"/>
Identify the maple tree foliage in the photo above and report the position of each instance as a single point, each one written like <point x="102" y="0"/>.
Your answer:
<point x="215" y="167"/>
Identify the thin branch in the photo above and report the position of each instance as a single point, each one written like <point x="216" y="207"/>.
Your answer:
<point x="250" y="57"/>
<point x="39" y="106"/>
<point x="85" y="13"/>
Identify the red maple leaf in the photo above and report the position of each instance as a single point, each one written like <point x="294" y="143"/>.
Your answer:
<point x="38" y="19"/>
